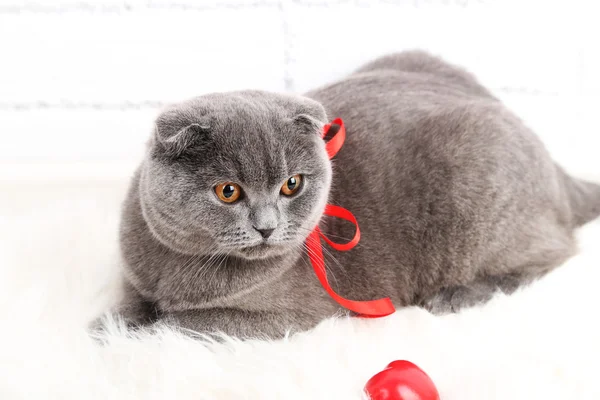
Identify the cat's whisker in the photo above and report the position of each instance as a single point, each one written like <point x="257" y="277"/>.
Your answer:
<point x="191" y="260"/>
<point x="202" y="268"/>
<point x="327" y="234"/>
<point x="209" y="265"/>
<point x="218" y="266"/>
<point x="328" y="254"/>
<point x="327" y="270"/>
<point x="197" y="257"/>
<point x="336" y="262"/>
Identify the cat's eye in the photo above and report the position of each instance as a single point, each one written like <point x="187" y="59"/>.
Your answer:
<point x="228" y="192"/>
<point x="292" y="185"/>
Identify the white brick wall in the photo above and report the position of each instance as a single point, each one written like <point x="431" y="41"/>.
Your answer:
<point x="80" y="81"/>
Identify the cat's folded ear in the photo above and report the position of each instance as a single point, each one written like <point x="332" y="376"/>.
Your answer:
<point x="308" y="115"/>
<point x="175" y="132"/>
<point x="308" y="124"/>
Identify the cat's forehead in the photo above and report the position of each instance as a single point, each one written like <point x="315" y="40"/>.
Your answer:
<point x="253" y="136"/>
<point x="248" y="123"/>
<point x="259" y="149"/>
<point x="253" y="121"/>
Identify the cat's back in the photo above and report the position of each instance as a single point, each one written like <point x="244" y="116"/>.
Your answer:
<point x="408" y="81"/>
<point x="437" y="170"/>
<point x="411" y="113"/>
<point x="408" y="100"/>
<point x="419" y="124"/>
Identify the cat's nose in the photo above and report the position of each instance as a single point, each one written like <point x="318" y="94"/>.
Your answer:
<point x="265" y="233"/>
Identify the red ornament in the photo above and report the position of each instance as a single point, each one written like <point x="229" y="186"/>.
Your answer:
<point x="401" y="380"/>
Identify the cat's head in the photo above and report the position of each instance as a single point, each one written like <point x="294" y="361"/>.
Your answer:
<point x="241" y="173"/>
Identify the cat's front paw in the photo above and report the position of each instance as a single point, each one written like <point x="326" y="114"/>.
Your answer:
<point x="438" y="304"/>
<point x="453" y="299"/>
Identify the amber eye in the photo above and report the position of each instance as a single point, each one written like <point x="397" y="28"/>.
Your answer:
<point x="292" y="185"/>
<point x="228" y="192"/>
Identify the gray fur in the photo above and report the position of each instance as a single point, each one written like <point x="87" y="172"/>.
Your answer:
<point x="456" y="198"/>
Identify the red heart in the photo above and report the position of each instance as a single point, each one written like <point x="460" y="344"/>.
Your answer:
<point x="401" y="380"/>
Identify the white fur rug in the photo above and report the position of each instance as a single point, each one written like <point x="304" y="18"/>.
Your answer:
<point x="57" y="271"/>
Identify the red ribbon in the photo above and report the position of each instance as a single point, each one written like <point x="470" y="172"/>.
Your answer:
<point x="367" y="309"/>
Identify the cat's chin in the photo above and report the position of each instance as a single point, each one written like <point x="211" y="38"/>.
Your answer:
<point x="262" y="251"/>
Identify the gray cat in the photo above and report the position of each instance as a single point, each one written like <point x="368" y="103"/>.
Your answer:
<point x="456" y="198"/>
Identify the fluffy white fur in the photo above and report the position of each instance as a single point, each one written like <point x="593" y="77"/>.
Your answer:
<point x="58" y="268"/>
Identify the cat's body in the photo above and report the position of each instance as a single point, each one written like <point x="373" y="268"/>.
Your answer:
<point x="455" y="198"/>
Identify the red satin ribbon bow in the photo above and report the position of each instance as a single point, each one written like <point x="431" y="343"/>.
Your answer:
<point x="367" y="309"/>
